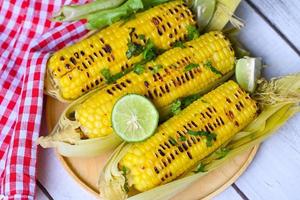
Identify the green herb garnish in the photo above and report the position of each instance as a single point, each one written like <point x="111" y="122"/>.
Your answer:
<point x="139" y="69"/>
<point x="124" y="173"/>
<point x="156" y="68"/>
<point x="179" y="44"/>
<point x="186" y="101"/>
<point x="176" y="107"/>
<point x="112" y="78"/>
<point x="133" y="49"/>
<point x="182" y="138"/>
<point x="209" y="65"/>
<point x="172" y="141"/>
<point x="200" y="168"/>
<point x="209" y="136"/>
<point x="141" y="37"/>
<point x="149" y="52"/>
<point x="193" y="32"/>
<point x="222" y="152"/>
<point x="107" y="75"/>
<point x="181" y="104"/>
<point x="190" y="66"/>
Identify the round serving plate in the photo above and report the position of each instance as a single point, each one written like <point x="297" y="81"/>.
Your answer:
<point x="86" y="171"/>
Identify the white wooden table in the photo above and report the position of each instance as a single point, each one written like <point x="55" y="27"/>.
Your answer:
<point x="272" y="32"/>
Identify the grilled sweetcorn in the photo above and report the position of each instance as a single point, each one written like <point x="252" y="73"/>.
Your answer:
<point x="75" y="70"/>
<point x="177" y="73"/>
<point x="188" y="137"/>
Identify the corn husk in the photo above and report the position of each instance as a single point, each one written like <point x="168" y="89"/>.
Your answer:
<point x="66" y="137"/>
<point x="273" y="115"/>
<point x="225" y="13"/>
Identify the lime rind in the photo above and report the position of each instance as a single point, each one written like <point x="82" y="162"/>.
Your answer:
<point x="134" y="118"/>
<point x="247" y="72"/>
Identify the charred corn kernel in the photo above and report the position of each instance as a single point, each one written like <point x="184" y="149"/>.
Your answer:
<point x="76" y="69"/>
<point x="169" y="83"/>
<point x="223" y="111"/>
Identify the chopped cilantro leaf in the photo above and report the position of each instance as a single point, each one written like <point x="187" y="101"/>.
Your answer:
<point x="193" y="32"/>
<point x="176" y="107"/>
<point x="172" y="141"/>
<point x="112" y="78"/>
<point x="141" y="37"/>
<point x="107" y="75"/>
<point x="200" y="168"/>
<point x="179" y="44"/>
<point x="186" y="101"/>
<point x="195" y="133"/>
<point x="222" y="152"/>
<point x="209" y="65"/>
<point x="139" y="69"/>
<point x="180" y="104"/>
<point x="133" y="49"/>
<point x="182" y="138"/>
<point x="124" y="170"/>
<point x="190" y="66"/>
<point x="149" y="52"/>
<point x="209" y="136"/>
<point x="124" y="173"/>
<point x="156" y="68"/>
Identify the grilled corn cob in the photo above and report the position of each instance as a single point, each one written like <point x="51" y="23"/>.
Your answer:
<point x="163" y="81"/>
<point x="75" y="70"/>
<point x="165" y="155"/>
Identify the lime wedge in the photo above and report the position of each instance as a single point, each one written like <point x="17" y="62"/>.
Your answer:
<point x="134" y="118"/>
<point x="247" y="72"/>
<point x="204" y="10"/>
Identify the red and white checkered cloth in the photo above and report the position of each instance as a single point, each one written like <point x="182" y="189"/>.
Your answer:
<point x="27" y="37"/>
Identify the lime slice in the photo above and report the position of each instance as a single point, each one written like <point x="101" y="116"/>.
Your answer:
<point x="247" y="71"/>
<point x="134" y="118"/>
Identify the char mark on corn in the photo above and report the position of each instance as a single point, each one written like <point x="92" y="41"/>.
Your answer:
<point x="180" y="143"/>
<point x="162" y="86"/>
<point x="77" y="69"/>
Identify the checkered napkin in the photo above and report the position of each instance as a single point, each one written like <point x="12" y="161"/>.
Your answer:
<point x="27" y="37"/>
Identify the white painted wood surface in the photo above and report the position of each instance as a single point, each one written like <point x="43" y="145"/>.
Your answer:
<point x="264" y="42"/>
<point x="284" y="14"/>
<point x="40" y="194"/>
<point x="274" y="173"/>
<point x="228" y="194"/>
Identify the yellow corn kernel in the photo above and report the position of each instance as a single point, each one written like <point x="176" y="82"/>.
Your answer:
<point x="170" y="82"/>
<point x="223" y="112"/>
<point x="77" y="69"/>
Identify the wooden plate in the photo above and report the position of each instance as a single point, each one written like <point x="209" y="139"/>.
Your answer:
<point x="85" y="171"/>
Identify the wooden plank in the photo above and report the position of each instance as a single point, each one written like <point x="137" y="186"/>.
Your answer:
<point x="229" y="193"/>
<point x="56" y="180"/>
<point x="40" y="194"/>
<point x="284" y="15"/>
<point x="264" y="42"/>
<point x="274" y="174"/>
